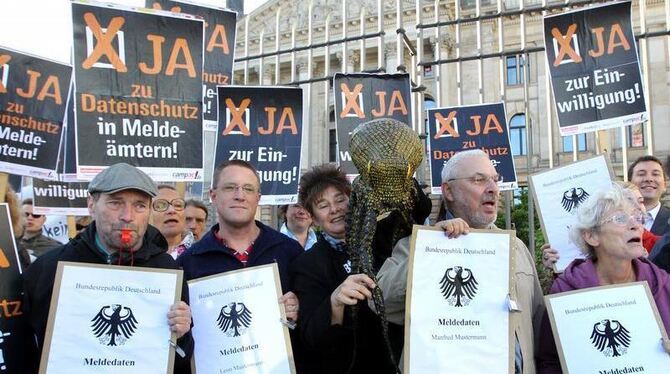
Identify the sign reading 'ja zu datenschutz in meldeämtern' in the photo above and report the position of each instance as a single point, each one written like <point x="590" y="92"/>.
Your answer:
<point x="595" y="70"/>
<point x="138" y="90"/>
<point x="33" y="97"/>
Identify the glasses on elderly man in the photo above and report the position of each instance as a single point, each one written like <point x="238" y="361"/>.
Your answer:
<point x="161" y="205"/>
<point x="480" y="179"/>
<point x="623" y="219"/>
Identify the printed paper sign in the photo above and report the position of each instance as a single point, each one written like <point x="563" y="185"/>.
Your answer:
<point x="457" y="302"/>
<point x="559" y="192"/>
<point x="33" y="96"/>
<point x="138" y="91"/>
<point x="456" y="129"/>
<point x="362" y="97"/>
<point x="263" y="125"/>
<point x="609" y="330"/>
<point x="595" y="69"/>
<point x="107" y="318"/>
<point x="236" y="322"/>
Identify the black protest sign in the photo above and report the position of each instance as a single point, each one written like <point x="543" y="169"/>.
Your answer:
<point x="220" y="29"/>
<point x="363" y="97"/>
<point x="62" y="198"/>
<point x="457" y="129"/>
<point x="12" y="333"/>
<point x="33" y="96"/>
<point x="138" y="91"/>
<point x="595" y="71"/>
<point x="263" y="125"/>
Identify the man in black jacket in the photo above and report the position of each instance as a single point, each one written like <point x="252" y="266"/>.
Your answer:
<point x="120" y="203"/>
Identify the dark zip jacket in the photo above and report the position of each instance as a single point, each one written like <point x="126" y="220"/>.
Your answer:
<point x="209" y="256"/>
<point x="40" y="276"/>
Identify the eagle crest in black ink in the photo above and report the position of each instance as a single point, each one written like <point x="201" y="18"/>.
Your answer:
<point x="234" y="319"/>
<point x="458" y="286"/>
<point x="572" y="198"/>
<point x="114" y="324"/>
<point x="610" y="337"/>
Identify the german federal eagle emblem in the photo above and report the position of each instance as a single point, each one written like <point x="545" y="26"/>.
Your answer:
<point x="610" y="338"/>
<point x="572" y="198"/>
<point x="234" y="319"/>
<point x="458" y="286"/>
<point x="114" y="324"/>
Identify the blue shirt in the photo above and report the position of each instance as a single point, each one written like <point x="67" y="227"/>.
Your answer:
<point x="311" y="236"/>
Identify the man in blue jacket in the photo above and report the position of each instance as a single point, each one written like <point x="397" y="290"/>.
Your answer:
<point x="238" y="240"/>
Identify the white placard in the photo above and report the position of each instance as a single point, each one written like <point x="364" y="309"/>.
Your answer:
<point x="110" y="319"/>
<point x="608" y="329"/>
<point x="459" y="314"/>
<point x="237" y="323"/>
<point x="559" y="192"/>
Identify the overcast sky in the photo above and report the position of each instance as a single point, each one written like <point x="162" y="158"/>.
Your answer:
<point x="43" y="27"/>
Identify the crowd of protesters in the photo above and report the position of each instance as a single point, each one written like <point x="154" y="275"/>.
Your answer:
<point x="623" y="231"/>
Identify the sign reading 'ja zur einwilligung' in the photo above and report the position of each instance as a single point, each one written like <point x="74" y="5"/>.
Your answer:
<point x="595" y="69"/>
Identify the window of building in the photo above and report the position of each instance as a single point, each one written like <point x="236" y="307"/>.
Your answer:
<point x="636" y="135"/>
<point x="515" y="70"/>
<point x="581" y="143"/>
<point x="517" y="134"/>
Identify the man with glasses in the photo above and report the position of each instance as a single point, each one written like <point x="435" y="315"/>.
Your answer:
<point x="238" y="240"/>
<point x="120" y="203"/>
<point x="33" y="239"/>
<point x="168" y="216"/>
<point x="471" y="194"/>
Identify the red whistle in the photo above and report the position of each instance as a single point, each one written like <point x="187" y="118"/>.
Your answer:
<point x="125" y="237"/>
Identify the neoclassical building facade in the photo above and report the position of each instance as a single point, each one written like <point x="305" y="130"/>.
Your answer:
<point x="456" y="52"/>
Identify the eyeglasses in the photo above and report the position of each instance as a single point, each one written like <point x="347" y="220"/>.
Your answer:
<point x="247" y="189"/>
<point x="161" y="205"/>
<point x="480" y="179"/>
<point x="622" y="219"/>
<point x="26" y="214"/>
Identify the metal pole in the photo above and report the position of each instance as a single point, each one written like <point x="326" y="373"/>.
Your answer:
<point x="344" y="35"/>
<point x="646" y="74"/>
<point x="509" y="195"/>
<point x="380" y="41"/>
<point x="529" y="129"/>
<point x="362" y="41"/>
<point x="480" y="63"/>
<point x="246" y="50"/>
<point x="459" y="76"/>
<point x="436" y="56"/>
<point x="398" y="37"/>
<point x="277" y="39"/>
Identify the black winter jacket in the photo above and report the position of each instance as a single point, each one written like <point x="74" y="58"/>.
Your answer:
<point x="40" y="276"/>
<point x="347" y="348"/>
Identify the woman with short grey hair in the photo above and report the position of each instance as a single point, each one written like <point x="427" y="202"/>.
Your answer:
<point x="609" y="231"/>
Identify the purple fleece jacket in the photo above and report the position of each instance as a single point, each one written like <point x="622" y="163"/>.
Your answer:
<point x="582" y="274"/>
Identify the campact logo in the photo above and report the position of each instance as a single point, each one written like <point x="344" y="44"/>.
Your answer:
<point x="187" y="175"/>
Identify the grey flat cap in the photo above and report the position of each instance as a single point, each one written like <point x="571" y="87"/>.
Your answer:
<point x="122" y="176"/>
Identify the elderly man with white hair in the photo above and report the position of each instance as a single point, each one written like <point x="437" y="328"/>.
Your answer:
<point x="470" y="191"/>
<point x="609" y="232"/>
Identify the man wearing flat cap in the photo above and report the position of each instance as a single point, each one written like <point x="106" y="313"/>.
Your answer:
<point x="119" y="202"/>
